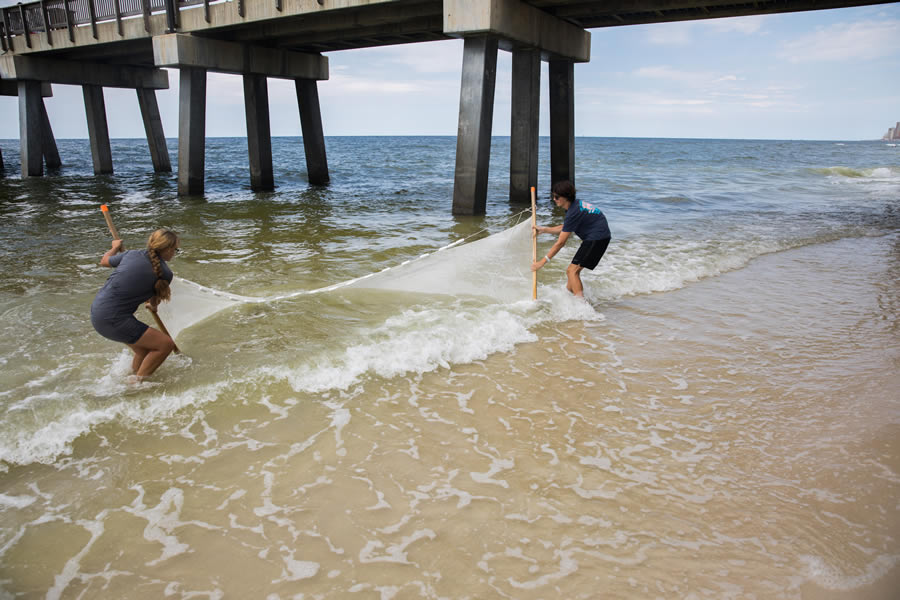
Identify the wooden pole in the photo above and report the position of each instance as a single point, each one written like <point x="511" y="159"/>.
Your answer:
<point x="109" y="223"/>
<point x="115" y="234"/>
<point x="533" y="243"/>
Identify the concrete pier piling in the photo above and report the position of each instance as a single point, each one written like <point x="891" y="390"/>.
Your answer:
<point x="313" y="133"/>
<point x="98" y="130"/>
<point x="525" y="118"/>
<point x="33" y="76"/>
<point x="259" y="135"/>
<point x="531" y="35"/>
<point x="49" y="150"/>
<point x="191" y="131"/>
<point x="562" y="120"/>
<point x="156" y="138"/>
<point x="476" y="114"/>
<point x="48" y="142"/>
<point x="194" y="56"/>
<point x="31" y="129"/>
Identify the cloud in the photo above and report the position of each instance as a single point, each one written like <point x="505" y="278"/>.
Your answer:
<point x="439" y="57"/>
<point x="433" y="57"/>
<point x="420" y="69"/>
<point x="679" y="102"/>
<point x="682" y="33"/>
<point x="361" y="85"/>
<point x="687" y="78"/>
<point x="745" y="25"/>
<point x="670" y="34"/>
<point x="863" y="40"/>
<point x="670" y="74"/>
<point x="638" y="101"/>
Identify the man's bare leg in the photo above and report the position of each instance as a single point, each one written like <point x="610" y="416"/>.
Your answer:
<point x="573" y="280"/>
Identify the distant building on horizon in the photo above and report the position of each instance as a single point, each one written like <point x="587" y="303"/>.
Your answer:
<point x="892" y="134"/>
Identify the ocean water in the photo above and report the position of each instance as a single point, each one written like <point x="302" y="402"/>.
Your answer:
<point x="369" y="404"/>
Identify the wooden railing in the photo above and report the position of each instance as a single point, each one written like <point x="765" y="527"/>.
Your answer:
<point x="44" y="16"/>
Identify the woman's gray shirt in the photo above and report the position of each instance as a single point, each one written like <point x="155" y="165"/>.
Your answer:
<point x="131" y="283"/>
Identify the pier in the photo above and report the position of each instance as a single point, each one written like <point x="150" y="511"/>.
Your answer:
<point x="129" y="44"/>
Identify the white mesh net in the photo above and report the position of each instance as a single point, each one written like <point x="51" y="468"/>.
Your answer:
<point x="496" y="267"/>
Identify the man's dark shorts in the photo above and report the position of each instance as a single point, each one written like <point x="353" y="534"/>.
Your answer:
<point x="127" y="331"/>
<point x="590" y="252"/>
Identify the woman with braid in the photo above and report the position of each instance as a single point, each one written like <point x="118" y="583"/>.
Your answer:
<point x="139" y="276"/>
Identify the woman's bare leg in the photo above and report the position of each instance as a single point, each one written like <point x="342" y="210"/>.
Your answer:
<point x="139" y="355"/>
<point x="155" y="347"/>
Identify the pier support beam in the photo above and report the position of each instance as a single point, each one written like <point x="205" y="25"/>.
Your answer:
<point x="255" y="63"/>
<point x="259" y="135"/>
<point x="191" y="131"/>
<point x="476" y="113"/>
<point x="48" y="142"/>
<point x="523" y="139"/>
<point x="313" y="135"/>
<point x="511" y="25"/>
<point x="30" y="125"/>
<point x="93" y="77"/>
<point x="95" y="107"/>
<point x="562" y="120"/>
<point x="156" y="138"/>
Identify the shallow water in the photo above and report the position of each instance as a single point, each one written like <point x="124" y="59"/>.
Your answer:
<point x="721" y="419"/>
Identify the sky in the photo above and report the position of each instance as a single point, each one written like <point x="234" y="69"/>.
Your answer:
<point x="819" y="75"/>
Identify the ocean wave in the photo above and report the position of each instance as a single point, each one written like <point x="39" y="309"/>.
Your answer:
<point x="879" y="173"/>
<point x="423" y="340"/>
<point x="478" y="304"/>
<point x="44" y="441"/>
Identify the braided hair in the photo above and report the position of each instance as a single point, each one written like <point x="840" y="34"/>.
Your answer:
<point x="160" y="240"/>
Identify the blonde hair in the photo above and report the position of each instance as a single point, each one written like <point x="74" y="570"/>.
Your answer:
<point x="159" y="241"/>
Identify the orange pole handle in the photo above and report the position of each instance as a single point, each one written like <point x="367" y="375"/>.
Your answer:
<point x="109" y="223"/>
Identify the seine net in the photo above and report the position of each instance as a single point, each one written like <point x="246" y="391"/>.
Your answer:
<point x="495" y="267"/>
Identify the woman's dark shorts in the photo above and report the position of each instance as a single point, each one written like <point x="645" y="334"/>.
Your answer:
<point x="590" y="252"/>
<point x="126" y="330"/>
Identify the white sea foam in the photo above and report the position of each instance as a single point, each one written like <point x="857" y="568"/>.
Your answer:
<point x="162" y="520"/>
<point x="416" y="341"/>
<point x="55" y="438"/>
<point x="295" y="570"/>
<point x="829" y="577"/>
<point x="16" y="502"/>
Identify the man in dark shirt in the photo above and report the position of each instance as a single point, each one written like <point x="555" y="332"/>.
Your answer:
<point x="586" y="221"/>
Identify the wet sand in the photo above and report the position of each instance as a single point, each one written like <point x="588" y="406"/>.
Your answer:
<point x="737" y="438"/>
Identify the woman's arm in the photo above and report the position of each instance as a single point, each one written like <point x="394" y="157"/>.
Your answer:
<point x="115" y="249"/>
<point x="152" y="304"/>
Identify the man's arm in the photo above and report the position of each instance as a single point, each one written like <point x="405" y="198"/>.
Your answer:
<point x="554" y="230"/>
<point x="560" y="242"/>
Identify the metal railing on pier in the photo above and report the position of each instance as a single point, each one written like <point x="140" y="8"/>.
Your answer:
<point x="44" y="16"/>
